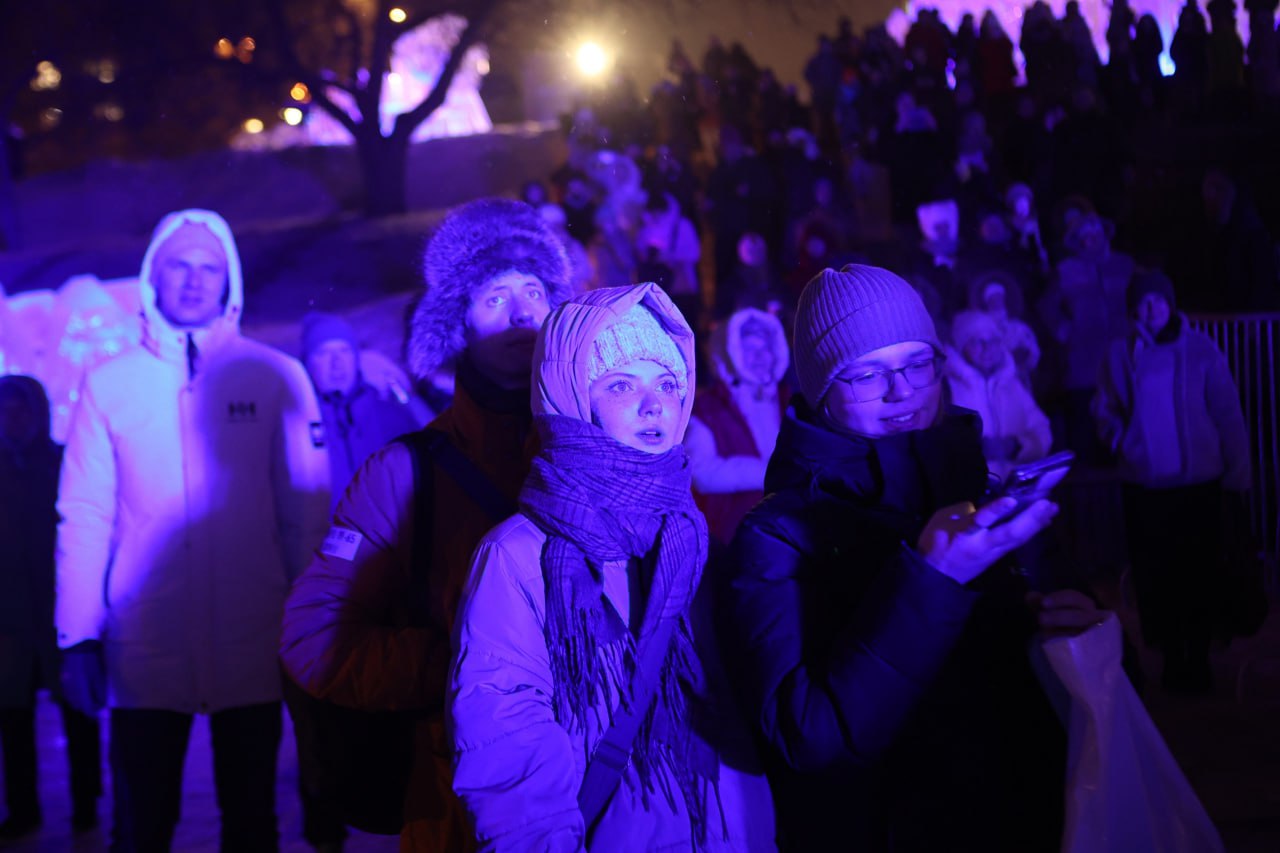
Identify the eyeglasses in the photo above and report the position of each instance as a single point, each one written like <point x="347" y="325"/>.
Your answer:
<point x="868" y="385"/>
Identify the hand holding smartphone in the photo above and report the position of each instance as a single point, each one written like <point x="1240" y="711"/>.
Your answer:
<point x="1028" y="483"/>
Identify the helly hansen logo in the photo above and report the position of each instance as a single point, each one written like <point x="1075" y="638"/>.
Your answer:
<point x="242" y="412"/>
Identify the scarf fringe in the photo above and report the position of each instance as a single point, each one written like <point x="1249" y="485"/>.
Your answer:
<point x="599" y="501"/>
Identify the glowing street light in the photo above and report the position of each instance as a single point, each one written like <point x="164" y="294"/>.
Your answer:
<point x="253" y="125"/>
<point x="397" y="15"/>
<point x="292" y="116"/>
<point x="300" y="92"/>
<point x="592" y="59"/>
<point x="47" y="78"/>
<point x="224" y="49"/>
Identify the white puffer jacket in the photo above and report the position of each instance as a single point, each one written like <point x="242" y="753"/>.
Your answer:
<point x="1006" y="407"/>
<point x="188" y="503"/>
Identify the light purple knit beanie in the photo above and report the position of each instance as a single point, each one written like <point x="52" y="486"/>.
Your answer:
<point x="844" y="315"/>
<point x="637" y="336"/>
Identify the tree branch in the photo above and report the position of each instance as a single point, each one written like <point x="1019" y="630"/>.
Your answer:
<point x="312" y="80"/>
<point x="477" y="18"/>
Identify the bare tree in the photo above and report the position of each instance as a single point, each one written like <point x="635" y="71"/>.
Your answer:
<point x="347" y="47"/>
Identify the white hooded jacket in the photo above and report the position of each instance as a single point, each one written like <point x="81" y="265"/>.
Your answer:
<point x="1006" y="407"/>
<point x="189" y="500"/>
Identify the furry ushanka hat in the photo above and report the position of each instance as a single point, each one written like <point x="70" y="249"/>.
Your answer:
<point x="475" y="243"/>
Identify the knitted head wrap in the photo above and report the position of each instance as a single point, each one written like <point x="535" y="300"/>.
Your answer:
<point x="637" y="336"/>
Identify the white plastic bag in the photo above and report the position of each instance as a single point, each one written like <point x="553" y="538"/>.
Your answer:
<point x="1125" y="792"/>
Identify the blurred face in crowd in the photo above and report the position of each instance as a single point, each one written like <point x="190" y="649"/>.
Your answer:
<point x="993" y="231"/>
<point x="867" y="400"/>
<point x="332" y="366"/>
<point x="638" y="404"/>
<point x="1153" y="313"/>
<point x="189" y="274"/>
<point x="1092" y="236"/>
<point x="824" y="192"/>
<point x="752" y="250"/>
<point x="993" y="300"/>
<point x="985" y="353"/>
<point x="502" y="324"/>
<point x="758" y="359"/>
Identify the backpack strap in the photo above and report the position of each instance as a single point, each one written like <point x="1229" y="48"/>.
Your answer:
<point x="613" y="752"/>
<point x="428" y="446"/>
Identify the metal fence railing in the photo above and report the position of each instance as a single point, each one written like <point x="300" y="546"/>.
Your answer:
<point x="1251" y="343"/>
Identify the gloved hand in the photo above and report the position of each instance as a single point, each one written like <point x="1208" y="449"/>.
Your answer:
<point x="84" y="677"/>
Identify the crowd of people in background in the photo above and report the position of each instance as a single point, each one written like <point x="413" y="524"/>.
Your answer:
<point x="769" y="342"/>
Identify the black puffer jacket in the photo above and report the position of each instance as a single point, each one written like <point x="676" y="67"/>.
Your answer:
<point x="896" y="707"/>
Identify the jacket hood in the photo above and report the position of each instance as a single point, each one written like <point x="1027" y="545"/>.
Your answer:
<point x="158" y="333"/>
<point x="562" y="355"/>
<point x="1013" y="296"/>
<point x="235" y="278"/>
<point x="726" y="345"/>
<point x="958" y="369"/>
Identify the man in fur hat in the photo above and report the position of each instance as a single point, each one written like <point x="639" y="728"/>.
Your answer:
<point x="493" y="271"/>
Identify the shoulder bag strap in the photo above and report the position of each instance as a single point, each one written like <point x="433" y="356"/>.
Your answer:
<point x="613" y="752"/>
<point x="427" y="446"/>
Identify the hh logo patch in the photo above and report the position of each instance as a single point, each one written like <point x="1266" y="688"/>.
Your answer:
<point x="341" y="543"/>
<point x="242" y="412"/>
<point x="317" y="433"/>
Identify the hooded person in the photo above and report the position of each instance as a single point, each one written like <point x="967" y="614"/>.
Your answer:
<point x="194" y="487"/>
<point x="357" y="418"/>
<point x="1168" y="407"/>
<point x="983" y="378"/>
<point x="493" y="270"/>
<point x="567" y="597"/>
<point x="879" y="645"/>
<point x="736" y="418"/>
<point x="1000" y="296"/>
<point x="1084" y="310"/>
<point x="29" y="463"/>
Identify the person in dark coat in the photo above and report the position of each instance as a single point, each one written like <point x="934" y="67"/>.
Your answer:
<point x="29" y="465"/>
<point x="881" y="646"/>
<point x="357" y="418"/>
<point x="1241" y="266"/>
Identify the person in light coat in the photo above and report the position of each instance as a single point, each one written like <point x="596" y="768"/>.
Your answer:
<point x="565" y="596"/>
<point x="982" y="377"/>
<point x="736" y="420"/>
<point x="1168" y="407"/>
<point x="194" y="487"/>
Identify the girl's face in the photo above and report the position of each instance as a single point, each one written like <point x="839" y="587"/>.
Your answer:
<point x="638" y="404"/>
<point x="1153" y="313"/>
<point x="887" y="391"/>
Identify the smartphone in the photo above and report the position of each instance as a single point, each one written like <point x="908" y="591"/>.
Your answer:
<point x="1033" y="481"/>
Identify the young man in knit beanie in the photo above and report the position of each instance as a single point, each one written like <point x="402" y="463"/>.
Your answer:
<point x="868" y="643"/>
<point x="493" y="270"/>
